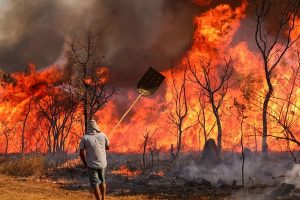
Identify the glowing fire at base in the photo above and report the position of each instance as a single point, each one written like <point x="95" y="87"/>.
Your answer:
<point x="124" y="171"/>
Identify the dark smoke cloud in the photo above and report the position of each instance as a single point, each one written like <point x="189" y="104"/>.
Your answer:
<point x="28" y="33"/>
<point x="145" y="33"/>
<point x="132" y="35"/>
<point x="271" y="24"/>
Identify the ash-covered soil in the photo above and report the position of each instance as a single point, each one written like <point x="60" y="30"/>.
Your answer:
<point x="34" y="189"/>
<point x="186" y="178"/>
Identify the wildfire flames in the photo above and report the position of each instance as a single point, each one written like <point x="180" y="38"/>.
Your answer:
<point x="216" y="37"/>
<point x="126" y="172"/>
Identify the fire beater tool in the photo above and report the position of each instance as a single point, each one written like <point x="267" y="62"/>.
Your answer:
<point x="147" y="86"/>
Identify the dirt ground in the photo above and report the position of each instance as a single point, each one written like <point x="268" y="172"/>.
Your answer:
<point x="179" y="181"/>
<point x="23" y="189"/>
<point x="13" y="188"/>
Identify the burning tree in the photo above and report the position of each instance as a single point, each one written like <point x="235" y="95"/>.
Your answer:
<point x="213" y="87"/>
<point x="241" y="115"/>
<point x="91" y="78"/>
<point x="178" y="115"/>
<point x="150" y="144"/>
<point x="285" y="113"/>
<point x="8" y="132"/>
<point x="273" y="48"/>
<point x="203" y="119"/>
<point x="58" y="108"/>
<point x="26" y="115"/>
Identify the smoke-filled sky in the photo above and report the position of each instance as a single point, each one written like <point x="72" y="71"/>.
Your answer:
<point x="132" y="35"/>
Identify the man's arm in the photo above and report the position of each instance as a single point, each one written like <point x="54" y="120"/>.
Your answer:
<point x="106" y="143"/>
<point x="81" y="152"/>
<point x="82" y="156"/>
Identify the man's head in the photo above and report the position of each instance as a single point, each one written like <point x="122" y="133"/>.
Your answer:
<point x="92" y="125"/>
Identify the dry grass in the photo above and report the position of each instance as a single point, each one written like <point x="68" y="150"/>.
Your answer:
<point x="23" y="166"/>
<point x="20" y="189"/>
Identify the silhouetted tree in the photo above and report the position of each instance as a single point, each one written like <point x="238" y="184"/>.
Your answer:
<point x="273" y="47"/>
<point x="214" y="87"/>
<point x="8" y="133"/>
<point x="285" y="113"/>
<point x="59" y="108"/>
<point x="92" y="79"/>
<point x="202" y="118"/>
<point x="179" y="108"/>
<point x="241" y="116"/>
<point x="26" y="113"/>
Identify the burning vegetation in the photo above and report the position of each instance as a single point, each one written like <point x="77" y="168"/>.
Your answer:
<point x="232" y="94"/>
<point x="220" y="75"/>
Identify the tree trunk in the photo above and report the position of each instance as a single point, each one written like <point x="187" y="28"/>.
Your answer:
<point x="49" y="140"/>
<point x="85" y="113"/>
<point x="172" y="155"/>
<point x="6" y="144"/>
<point x="199" y="140"/>
<point x="255" y="137"/>
<point x="243" y="153"/>
<point x="179" y="143"/>
<point x="23" y="128"/>
<point x="217" y="116"/>
<point x="54" y="145"/>
<point x="144" y="150"/>
<point x="55" y="142"/>
<point x="152" y="155"/>
<point x="23" y="135"/>
<point x="204" y="126"/>
<point x="265" y="118"/>
<point x="219" y="134"/>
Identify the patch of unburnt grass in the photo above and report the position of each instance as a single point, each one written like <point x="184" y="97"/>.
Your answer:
<point x="23" y="166"/>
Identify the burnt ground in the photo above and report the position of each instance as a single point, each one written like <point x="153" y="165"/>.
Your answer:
<point x="128" y="189"/>
<point x="31" y="189"/>
<point x="188" y="178"/>
<point x="151" y="186"/>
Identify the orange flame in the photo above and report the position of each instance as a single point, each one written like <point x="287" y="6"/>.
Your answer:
<point x="124" y="171"/>
<point x="214" y="33"/>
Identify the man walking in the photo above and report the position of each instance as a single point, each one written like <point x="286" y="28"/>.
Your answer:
<point x="93" y="155"/>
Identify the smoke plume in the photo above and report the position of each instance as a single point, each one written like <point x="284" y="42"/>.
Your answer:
<point x="132" y="35"/>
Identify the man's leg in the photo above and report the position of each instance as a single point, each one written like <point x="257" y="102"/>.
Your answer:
<point x="102" y="185"/>
<point x="94" y="180"/>
<point x="102" y="188"/>
<point x="97" y="192"/>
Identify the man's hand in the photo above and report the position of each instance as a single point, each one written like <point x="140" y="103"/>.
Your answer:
<point x="82" y="156"/>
